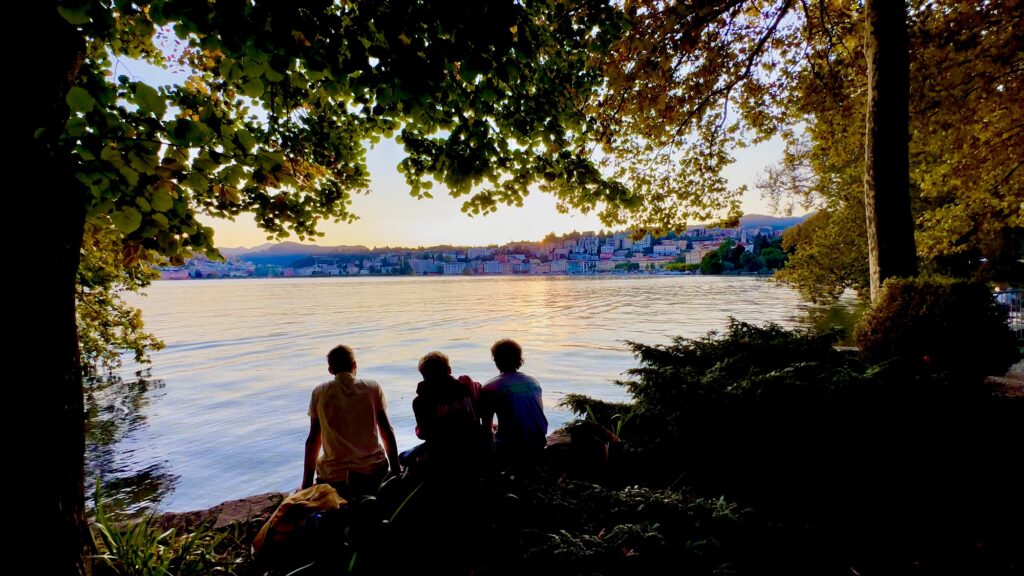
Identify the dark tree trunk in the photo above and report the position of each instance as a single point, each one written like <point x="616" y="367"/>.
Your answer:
<point x="890" y="225"/>
<point x="60" y="508"/>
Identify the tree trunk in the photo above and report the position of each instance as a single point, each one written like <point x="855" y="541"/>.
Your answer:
<point x="890" y="225"/>
<point x="59" y="196"/>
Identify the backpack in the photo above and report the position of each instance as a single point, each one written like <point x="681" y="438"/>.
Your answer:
<point x="299" y="528"/>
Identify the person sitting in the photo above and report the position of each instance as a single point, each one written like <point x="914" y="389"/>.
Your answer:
<point x="446" y="418"/>
<point x="517" y="401"/>
<point x="348" y="419"/>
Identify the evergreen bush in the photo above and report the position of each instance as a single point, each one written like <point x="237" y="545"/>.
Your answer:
<point x="938" y="325"/>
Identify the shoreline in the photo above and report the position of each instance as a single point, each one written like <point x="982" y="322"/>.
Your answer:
<point x="545" y="275"/>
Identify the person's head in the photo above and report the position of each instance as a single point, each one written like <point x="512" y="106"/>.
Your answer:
<point x="341" y="359"/>
<point x="434" y="365"/>
<point x="507" y="354"/>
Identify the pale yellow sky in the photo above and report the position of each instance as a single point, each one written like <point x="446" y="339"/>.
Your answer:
<point x="390" y="217"/>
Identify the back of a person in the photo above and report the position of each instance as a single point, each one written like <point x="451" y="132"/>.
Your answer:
<point x="347" y="409"/>
<point x="517" y="401"/>
<point x="448" y="423"/>
<point x="447" y="405"/>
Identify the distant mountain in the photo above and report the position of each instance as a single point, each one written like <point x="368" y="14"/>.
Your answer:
<point x="774" y="222"/>
<point x="294" y="248"/>
<point x="233" y="252"/>
<point x="284" y="253"/>
<point x="759" y="220"/>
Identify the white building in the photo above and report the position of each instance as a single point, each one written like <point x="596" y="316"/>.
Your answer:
<point x="666" y="249"/>
<point x="453" y="268"/>
<point x="474" y="253"/>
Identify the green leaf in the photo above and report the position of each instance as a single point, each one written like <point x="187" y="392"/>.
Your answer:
<point x="161" y="200"/>
<point x="139" y="163"/>
<point x="186" y="132"/>
<point x="76" y="127"/>
<point x="270" y="161"/>
<point x="76" y="16"/>
<point x="80" y="100"/>
<point x="130" y="175"/>
<point x="245" y="139"/>
<point x="197" y="182"/>
<point x="111" y="154"/>
<point x="127" y="219"/>
<point x="253" y="88"/>
<point x="273" y="75"/>
<point x="252" y="67"/>
<point x="161" y="220"/>
<point x="149" y="100"/>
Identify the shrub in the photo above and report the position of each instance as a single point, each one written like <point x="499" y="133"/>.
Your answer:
<point x="841" y="458"/>
<point x="938" y="325"/>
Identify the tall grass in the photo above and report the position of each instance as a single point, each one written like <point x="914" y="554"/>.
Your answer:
<point x="140" y="548"/>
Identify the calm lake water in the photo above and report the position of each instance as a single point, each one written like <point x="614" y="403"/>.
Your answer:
<point x="223" y="413"/>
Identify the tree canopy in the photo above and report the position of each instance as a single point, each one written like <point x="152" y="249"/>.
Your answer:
<point x="282" y="101"/>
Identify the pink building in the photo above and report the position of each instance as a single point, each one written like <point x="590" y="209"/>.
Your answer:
<point x="175" y="274"/>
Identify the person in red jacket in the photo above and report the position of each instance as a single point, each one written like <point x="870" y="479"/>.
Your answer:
<point x="447" y="418"/>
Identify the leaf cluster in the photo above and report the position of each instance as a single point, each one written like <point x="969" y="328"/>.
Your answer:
<point x="578" y="528"/>
<point x="141" y="548"/>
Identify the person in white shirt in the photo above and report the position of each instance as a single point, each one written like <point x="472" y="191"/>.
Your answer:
<point x="348" y="419"/>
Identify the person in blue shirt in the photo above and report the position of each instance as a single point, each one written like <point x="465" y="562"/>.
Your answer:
<point x="516" y="400"/>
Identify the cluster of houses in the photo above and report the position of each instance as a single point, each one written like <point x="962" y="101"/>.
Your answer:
<point x="578" y="253"/>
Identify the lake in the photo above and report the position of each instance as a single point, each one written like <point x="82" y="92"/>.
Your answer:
<point x="223" y="413"/>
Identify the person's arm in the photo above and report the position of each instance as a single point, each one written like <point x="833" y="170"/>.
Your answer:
<point x="387" y="436"/>
<point x="312" y="452"/>
<point x="473" y="386"/>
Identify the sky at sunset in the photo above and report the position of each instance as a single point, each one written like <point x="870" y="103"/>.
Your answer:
<point x="389" y="216"/>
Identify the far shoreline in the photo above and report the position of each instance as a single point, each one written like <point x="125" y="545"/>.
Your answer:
<point x="581" y="275"/>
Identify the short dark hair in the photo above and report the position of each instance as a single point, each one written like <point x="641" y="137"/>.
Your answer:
<point x="341" y="358"/>
<point x="434" y="365"/>
<point x="507" y="354"/>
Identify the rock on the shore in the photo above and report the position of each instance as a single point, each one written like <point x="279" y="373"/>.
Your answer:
<point x="259" y="507"/>
<point x="1012" y="384"/>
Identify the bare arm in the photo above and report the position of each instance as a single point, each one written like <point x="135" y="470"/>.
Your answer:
<point x="387" y="436"/>
<point x="312" y="451"/>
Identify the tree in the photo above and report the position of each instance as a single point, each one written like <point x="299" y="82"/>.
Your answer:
<point x="826" y="255"/>
<point x="687" y="84"/>
<point x="273" y="119"/>
<point x="890" y="227"/>
<point x="711" y="263"/>
<point x="965" y="146"/>
<point x="773" y="258"/>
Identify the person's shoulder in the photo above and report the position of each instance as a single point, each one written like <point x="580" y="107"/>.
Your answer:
<point x="493" y="383"/>
<point x="321" y="386"/>
<point x="367" y="384"/>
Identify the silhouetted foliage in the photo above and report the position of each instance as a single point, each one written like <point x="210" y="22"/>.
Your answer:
<point x="879" y="468"/>
<point x="938" y="325"/>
